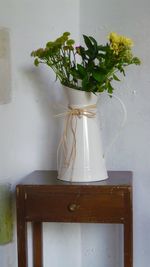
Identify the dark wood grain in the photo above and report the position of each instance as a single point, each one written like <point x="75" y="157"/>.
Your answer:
<point x="50" y="178"/>
<point x="43" y="198"/>
<point x="128" y="231"/>
<point x="21" y="228"/>
<point x="37" y="244"/>
<point x="95" y="205"/>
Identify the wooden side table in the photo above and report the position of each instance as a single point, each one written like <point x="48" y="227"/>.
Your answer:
<point x="43" y="198"/>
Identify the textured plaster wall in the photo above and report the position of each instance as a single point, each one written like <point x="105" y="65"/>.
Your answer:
<point x="29" y="133"/>
<point x="132" y="149"/>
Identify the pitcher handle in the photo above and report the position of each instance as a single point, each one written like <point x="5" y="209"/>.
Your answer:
<point x="121" y="126"/>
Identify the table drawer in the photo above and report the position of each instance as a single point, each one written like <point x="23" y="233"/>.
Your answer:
<point x="73" y="207"/>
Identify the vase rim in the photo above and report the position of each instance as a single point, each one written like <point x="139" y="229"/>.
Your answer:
<point x="81" y="91"/>
<point x="80" y="98"/>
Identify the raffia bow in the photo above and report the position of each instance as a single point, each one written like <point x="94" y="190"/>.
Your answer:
<point x="71" y="117"/>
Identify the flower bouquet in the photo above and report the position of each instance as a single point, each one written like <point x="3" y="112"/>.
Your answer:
<point x="91" y="68"/>
<point x="85" y="72"/>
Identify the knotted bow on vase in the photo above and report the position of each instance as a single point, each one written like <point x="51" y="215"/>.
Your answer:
<point x="71" y="117"/>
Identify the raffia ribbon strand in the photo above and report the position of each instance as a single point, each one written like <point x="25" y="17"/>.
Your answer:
<point x="71" y="117"/>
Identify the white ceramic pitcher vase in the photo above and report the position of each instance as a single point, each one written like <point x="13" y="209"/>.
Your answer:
<point x="80" y="155"/>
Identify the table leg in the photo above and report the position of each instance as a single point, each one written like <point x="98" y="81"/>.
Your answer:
<point x="37" y="244"/>
<point x="128" y="231"/>
<point x="21" y="230"/>
<point x="128" y="245"/>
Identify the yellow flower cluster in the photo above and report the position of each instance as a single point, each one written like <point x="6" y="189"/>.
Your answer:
<point x="119" y="42"/>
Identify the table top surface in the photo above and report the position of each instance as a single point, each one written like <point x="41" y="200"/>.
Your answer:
<point x="49" y="178"/>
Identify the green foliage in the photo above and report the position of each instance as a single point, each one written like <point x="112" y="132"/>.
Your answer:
<point x="90" y="68"/>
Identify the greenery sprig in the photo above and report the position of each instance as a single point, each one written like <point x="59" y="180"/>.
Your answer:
<point x="91" y="68"/>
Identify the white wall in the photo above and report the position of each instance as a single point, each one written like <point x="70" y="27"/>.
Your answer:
<point x="28" y="131"/>
<point x="27" y="128"/>
<point x="29" y="134"/>
<point x="132" y="149"/>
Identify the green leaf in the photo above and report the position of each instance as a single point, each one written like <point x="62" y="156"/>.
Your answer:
<point x="81" y="51"/>
<point x="120" y="68"/>
<point x="36" y="62"/>
<point x="33" y="53"/>
<point x="92" y="53"/>
<point x="81" y="70"/>
<point x="66" y="33"/>
<point x="98" y="76"/>
<point x="136" y="61"/>
<point x="123" y="72"/>
<point x="49" y="44"/>
<point x="110" y="88"/>
<point x="70" y="42"/>
<point x="91" y="44"/>
<point x="116" y="78"/>
<point x="101" y="56"/>
<point x="88" y="42"/>
<point x="102" y="48"/>
<point x="85" y="82"/>
<point x="75" y="74"/>
<point x="101" y="88"/>
<point x="94" y="42"/>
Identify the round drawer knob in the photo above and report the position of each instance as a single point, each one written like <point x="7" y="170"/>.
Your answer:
<point x="72" y="207"/>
